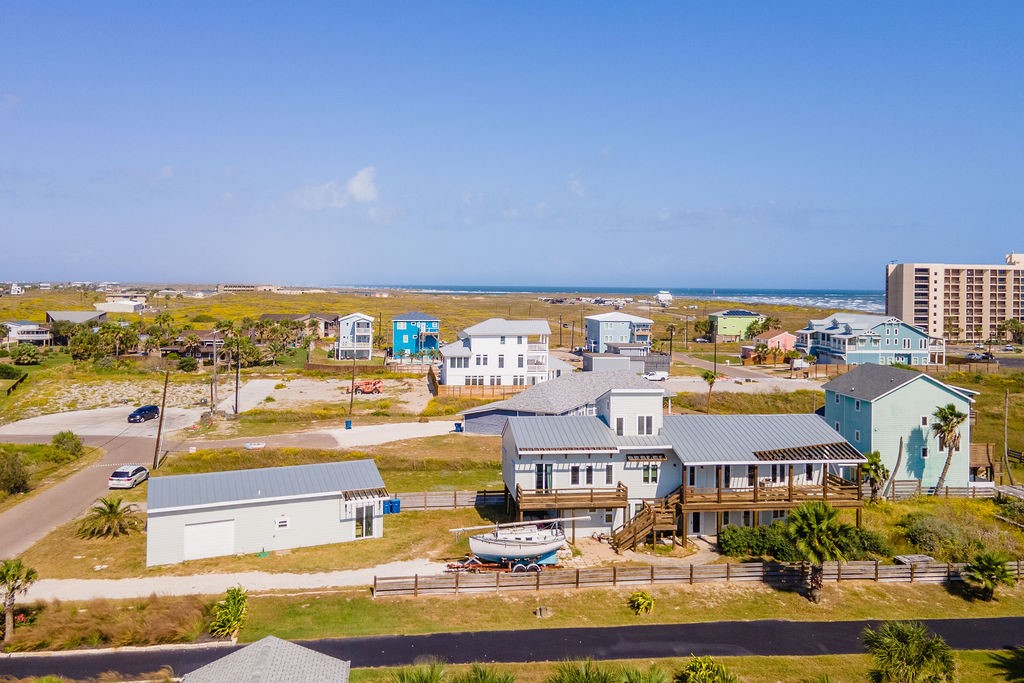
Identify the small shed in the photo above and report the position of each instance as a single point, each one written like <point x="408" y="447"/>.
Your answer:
<point x="193" y="516"/>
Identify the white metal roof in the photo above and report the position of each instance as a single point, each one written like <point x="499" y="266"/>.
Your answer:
<point x="619" y="317"/>
<point x="495" y="327"/>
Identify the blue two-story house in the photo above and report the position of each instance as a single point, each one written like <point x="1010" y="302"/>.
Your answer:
<point x="876" y="408"/>
<point x="413" y="333"/>
<point x="853" y="339"/>
<point x="616" y="328"/>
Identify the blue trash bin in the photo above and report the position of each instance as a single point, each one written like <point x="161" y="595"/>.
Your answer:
<point x="458" y="426"/>
<point x="387" y="507"/>
<point x="348" y="424"/>
<point x="396" y="505"/>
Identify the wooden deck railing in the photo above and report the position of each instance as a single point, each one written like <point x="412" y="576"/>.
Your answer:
<point x="771" y="573"/>
<point x="568" y="499"/>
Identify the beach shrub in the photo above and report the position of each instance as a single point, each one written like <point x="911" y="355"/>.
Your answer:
<point x="931" y="534"/>
<point x="9" y="372"/>
<point x="641" y="602"/>
<point x="229" y="614"/>
<point x="66" y="447"/>
<point x="746" y="541"/>
<point x="203" y="318"/>
<point x="13" y="475"/>
<point x="704" y="670"/>
<point x="25" y="354"/>
<point x="188" y="364"/>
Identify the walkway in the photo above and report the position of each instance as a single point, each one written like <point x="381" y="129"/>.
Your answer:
<point x="721" y="638"/>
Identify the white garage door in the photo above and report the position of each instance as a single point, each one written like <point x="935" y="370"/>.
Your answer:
<point x="209" y="539"/>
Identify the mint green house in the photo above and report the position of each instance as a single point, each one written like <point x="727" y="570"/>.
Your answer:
<point x="875" y="406"/>
<point x="732" y="325"/>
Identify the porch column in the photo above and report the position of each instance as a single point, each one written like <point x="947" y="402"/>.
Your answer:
<point x="791" y="483"/>
<point x="824" y="482"/>
<point x="718" y="522"/>
<point x="860" y="490"/>
<point x="859" y="511"/>
<point x="718" y="481"/>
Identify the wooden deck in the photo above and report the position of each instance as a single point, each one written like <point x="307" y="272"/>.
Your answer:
<point x="571" y="499"/>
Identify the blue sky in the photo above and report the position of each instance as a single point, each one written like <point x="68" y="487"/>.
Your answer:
<point x="635" y="144"/>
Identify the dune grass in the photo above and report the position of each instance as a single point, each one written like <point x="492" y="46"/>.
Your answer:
<point x="42" y="471"/>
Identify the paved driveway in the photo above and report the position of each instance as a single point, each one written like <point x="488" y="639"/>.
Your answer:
<point x="100" y="422"/>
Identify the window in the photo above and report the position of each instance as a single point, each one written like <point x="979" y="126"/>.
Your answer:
<point x="495" y="380"/>
<point x="808" y="472"/>
<point x="281" y="523"/>
<point x="924" y="451"/>
<point x="519" y="339"/>
<point x="751" y="475"/>
<point x="590" y="475"/>
<point x="856" y="435"/>
<point x="501" y="359"/>
<point x="778" y="474"/>
<point x="521" y="360"/>
<point x="650" y="474"/>
<point x="691" y="476"/>
<point x="608" y="475"/>
<point x="746" y="518"/>
<point x="481" y="359"/>
<point x="725" y="518"/>
<point x="644" y="424"/>
<point x="574" y="475"/>
<point x="924" y="420"/>
<point x="619" y="423"/>
<point x="837" y="398"/>
<point x="837" y="426"/>
<point x="364" y="521"/>
<point x="405" y="338"/>
<point x="727" y="476"/>
<point x="400" y="325"/>
<point x="609" y="516"/>
<point x="856" y="405"/>
<point x="501" y="339"/>
<point x="519" y="380"/>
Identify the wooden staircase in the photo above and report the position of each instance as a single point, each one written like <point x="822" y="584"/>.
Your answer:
<point x="647" y="520"/>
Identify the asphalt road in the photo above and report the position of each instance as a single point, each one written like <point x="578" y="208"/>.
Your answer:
<point x="623" y="642"/>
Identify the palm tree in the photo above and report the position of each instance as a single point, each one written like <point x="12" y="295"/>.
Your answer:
<point x="109" y="518"/>
<point x="15" y="578"/>
<point x="710" y="378"/>
<point x="761" y="353"/>
<point x="875" y="473"/>
<point x="5" y="330"/>
<point x="905" y="652"/>
<point x="947" y="427"/>
<point x="191" y="344"/>
<point x="671" y="329"/>
<point x="815" y="530"/>
<point x="987" y="571"/>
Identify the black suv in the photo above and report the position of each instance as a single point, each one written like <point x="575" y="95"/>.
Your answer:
<point x="144" y="413"/>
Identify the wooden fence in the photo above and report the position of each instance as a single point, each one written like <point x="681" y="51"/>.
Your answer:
<point x="770" y="573"/>
<point x="345" y="368"/>
<point x="449" y="500"/>
<point x="1015" y="456"/>
<point x="903" y="489"/>
<point x="15" y="385"/>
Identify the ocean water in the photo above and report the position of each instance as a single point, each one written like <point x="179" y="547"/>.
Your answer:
<point x="866" y="300"/>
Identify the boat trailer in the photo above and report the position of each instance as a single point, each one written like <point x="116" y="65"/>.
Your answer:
<point x="474" y="565"/>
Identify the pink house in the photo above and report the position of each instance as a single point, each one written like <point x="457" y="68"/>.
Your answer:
<point x="773" y="339"/>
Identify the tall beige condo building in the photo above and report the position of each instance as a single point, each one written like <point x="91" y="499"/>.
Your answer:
<point x="956" y="301"/>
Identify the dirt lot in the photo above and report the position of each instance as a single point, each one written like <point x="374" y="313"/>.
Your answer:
<point x="410" y="395"/>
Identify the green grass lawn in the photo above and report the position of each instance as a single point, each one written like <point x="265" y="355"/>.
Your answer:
<point x="355" y="613"/>
<point x="972" y="665"/>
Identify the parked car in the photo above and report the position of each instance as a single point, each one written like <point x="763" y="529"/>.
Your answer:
<point x="1009" y="347"/>
<point x="127" y="477"/>
<point x="144" y="413"/>
<point x="656" y="376"/>
<point x="975" y="356"/>
<point x="700" y="340"/>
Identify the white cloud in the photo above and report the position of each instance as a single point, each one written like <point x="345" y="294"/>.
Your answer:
<point x="576" y="186"/>
<point x="334" y="194"/>
<point x="664" y="215"/>
<point x="9" y="102"/>
<point x="362" y="186"/>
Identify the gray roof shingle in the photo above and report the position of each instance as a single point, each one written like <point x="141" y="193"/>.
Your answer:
<point x="568" y="392"/>
<point x="272" y="660"/>
<point x="204" y="490"/>
<point x="870" y="381"/>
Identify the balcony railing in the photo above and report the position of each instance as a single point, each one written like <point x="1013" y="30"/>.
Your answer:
<point x="835" y="490"/>
<point x="536" y="347"/>
<point x="567" y="499"/>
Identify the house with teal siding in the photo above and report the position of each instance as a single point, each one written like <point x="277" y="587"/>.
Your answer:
<point x="876" y="407"/>
<point x="616" y="328"/>
<point x="855" y="338"/>
<point x="414" y="333"/>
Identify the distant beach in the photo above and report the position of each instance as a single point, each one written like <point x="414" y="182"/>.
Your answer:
<point x="866" y="300"/>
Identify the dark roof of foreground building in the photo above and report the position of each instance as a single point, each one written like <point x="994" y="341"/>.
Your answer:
<point x="871" y="381"/>
<point x="272" y="660"/>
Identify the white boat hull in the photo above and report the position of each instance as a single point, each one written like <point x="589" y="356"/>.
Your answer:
<point x="538" y="547"/>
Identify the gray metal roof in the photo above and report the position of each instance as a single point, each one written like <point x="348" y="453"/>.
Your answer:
<point x="702" y="439"/>
<point x="74" y="316"/>
<point x="416" y="316"/>
<point x="568" y="432"/>
<point x="494" y="327"/>
<point x="870" y="381"/>
<point x="746" y="438"/>
<point x="272" y="660"/>
<point x="218" y="488"/>
<point x="456" y="350"/>
<point x="568" y="392"/>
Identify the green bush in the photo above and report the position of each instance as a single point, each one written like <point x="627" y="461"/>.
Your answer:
<point x="25" y="354"/>
<point x="746" y="541"/>
<point x="704" y="670"/>
<point x="188" y="364"/>
<point x="9" y="371"/>
<point x="203" y="318"/>
<point x="13" y="475"/>
<point x="229" y="614"/>
<point x="67" y="447"/>
<point x="4" y="353"/>
<point x="930" y="534"/>
<point x="859" y="543"/>
<point x="641" y="602"/>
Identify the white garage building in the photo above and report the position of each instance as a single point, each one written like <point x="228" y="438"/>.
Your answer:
<point x="249" y="511"/>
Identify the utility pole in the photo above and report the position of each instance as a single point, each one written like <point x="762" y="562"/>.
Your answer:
<point x="572" y="337"/>
<point x="560" y="332"/>
<point x="238" y="368"/>
<point x="160" y="425"/>
<point x="352" y="387"/>
<point x="213" y="383"/>
<point x="1006" y="443"/>
<point x="714" y="332"/>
